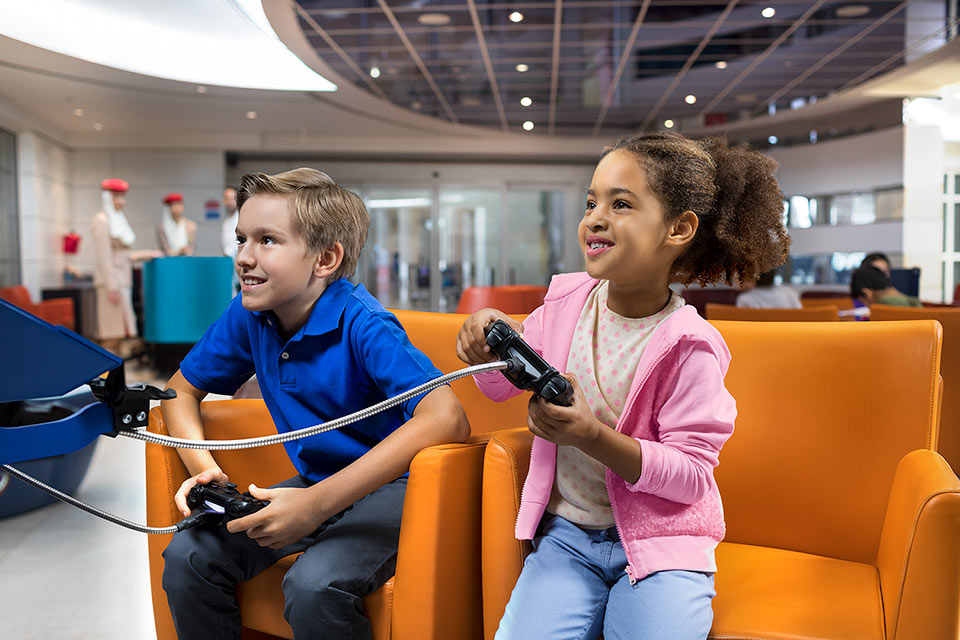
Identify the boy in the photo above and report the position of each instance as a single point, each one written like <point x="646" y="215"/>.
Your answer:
<point x="321" y="348"/>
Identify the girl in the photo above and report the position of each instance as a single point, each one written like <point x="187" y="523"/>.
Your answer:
<point x="620" y="500"/>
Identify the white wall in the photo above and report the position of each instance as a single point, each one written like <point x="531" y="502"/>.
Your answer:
<point x="856" y="163"/>
<point x="43" y="172"/>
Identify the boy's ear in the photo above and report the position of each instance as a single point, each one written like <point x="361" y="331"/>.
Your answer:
<point x="328" y="260"/>
<point x="683" y="229"/>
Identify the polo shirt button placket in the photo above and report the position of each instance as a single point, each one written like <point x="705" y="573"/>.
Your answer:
<point x="285" y="355"/>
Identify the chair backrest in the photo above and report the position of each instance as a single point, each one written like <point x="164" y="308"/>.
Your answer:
<point x="436" y="335"/>
<point x="17" y="295"/>
<point x="842" y="303"/>
<point x="949" y="319"/>
<point x="699" y="298"/>
<point x="826" y="410"/>
<point x="823" y="313"/>
<point x="516" y="298"/>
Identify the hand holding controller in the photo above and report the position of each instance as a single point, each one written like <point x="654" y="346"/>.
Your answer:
<point x="527" y="370"/>
<point x="217" y="505"/>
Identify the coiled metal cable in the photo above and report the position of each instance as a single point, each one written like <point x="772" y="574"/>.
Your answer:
<point x="249" y="443"/>
<point x="56" y="493"/>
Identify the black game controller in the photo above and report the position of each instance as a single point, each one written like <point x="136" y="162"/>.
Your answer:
<point x="216" y="505"/>
<point x="526" y="369"/>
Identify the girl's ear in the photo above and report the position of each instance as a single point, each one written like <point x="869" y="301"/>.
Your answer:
<point x="328" y="260"/>
<point x="683" y="229"/>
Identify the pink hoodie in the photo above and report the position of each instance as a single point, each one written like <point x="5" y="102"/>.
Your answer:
<point x="678" y="410"/>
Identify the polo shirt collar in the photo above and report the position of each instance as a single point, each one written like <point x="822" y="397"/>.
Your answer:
<point x="326" y="312"/>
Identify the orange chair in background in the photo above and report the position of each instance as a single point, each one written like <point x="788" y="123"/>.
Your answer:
<point x="949" y="318"/>
<point x="435" y="593"/>
<point x="842" y="523"/>
<point x="824" y="313"/>
<point x="842" y="303"/>
<point x="516" y="298"/>
<point x="55" y="311"/>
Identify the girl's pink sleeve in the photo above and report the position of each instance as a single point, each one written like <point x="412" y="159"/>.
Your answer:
<point x="694" y="422"/>
<point x="493" y="384"/>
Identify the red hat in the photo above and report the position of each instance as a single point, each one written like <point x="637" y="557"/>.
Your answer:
<point x="114" y="184"/>
<point x="172" y="197"/>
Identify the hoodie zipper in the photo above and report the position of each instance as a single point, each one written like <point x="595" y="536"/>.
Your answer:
<point x="631" y="572"/>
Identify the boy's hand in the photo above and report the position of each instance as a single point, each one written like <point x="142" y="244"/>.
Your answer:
<point x="472" y="340"/>
<point x="571" y="426"/>
<point x="214" y="474"/>
<point x="290" y="516"/>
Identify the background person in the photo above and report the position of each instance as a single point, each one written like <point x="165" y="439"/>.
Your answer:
<point x="176" y="234"/>
<point x="765" y="294"/>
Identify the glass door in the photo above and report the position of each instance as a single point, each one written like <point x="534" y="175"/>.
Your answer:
<point x="469" y="241"/>
<point x="395" y="262"/>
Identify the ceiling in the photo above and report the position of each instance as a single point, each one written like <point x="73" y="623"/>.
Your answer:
<point x="600" y="67"/>
<point x="596" y="69"/>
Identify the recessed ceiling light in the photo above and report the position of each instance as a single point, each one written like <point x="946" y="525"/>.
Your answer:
<point x="516" y="16"/>
<point x="78" y="112"/>
<point x="668" y="124"/>
<point x="522" y="68"/>
<point x="433" y="19"/>
<point x="528" y="125"/>
<point x="201" y="88"/>
<point x="690" y="99"/>
<point x="98" y="126"/>
<point x="852" y="11"/>
<point x="526" y="101"/>
<point x="416" y="105"/>
<point x="374" y="72"/>
<point x="720" y="64"/>
<point x="251" y="115"/>
<point x="471" y="101"/>
<point x="773" y="139"/>
<point x="768" y="12"/>
<point x="746" y="98"/>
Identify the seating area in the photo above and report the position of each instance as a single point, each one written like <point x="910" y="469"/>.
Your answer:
<point x="55" y="311"/>
<point x="820" y="313"/>
<point x="842" y="520"/>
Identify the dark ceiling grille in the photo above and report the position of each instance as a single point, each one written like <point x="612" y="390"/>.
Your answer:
<point x="604" y="67"/>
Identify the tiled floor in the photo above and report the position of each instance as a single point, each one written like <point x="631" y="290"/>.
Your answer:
<point x="66" y="574"/>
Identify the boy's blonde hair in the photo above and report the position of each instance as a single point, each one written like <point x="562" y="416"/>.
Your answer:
<point x="324" y="212"/>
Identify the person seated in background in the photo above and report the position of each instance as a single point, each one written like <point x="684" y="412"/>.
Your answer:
<point x="869" y="285"/>
<point x="878" y="260"/>
<point x="175" y="234"/>
<point x="766" y="294"/>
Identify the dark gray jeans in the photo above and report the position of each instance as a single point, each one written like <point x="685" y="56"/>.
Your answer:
<point x="323" y="590"/>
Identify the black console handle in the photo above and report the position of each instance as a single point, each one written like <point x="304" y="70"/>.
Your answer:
<point x="526" y="369"/>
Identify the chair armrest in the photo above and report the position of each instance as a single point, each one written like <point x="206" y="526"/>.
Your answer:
<point x="437" y="584"/>
<point x="55" y="311"/>
<point x="505" y="465"/>
<point x="919" y="554"/>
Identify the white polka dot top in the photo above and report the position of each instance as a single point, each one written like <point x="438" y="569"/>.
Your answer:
<point x="604" y="355"/>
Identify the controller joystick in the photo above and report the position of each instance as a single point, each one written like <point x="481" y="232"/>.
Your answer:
<point x="525" y="368"/>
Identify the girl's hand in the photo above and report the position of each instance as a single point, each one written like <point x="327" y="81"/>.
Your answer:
<point x="291" y="515"/>
<point x="214" y="474"/>
<point x="574" y="426"/>
<point x="472" y="340"/>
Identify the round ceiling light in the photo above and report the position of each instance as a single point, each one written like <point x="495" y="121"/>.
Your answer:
<point x="528" y="125"/>
<point x="768" y="12"/>
<point x="690" y="99"/>
<point x="522" y="68"/>
<point x="668" y="124"/>
<point x="526" y="101"/>
<point x="433" y="19"/>
<point x="720" y="64"/>
<point x="516" y="16"/>
<point x="852" y="11"/>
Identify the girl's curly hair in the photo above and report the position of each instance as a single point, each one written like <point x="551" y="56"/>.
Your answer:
<point x="734" y="194"/>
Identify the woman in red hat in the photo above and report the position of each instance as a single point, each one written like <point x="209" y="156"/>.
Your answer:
<point x="113" y="238"/>
<point x="175" y="233"/>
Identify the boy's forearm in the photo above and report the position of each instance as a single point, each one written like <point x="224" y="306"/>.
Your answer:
<point x="182" y="416"/>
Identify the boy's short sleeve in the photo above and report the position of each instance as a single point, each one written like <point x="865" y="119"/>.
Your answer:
<point x="391" y="360"/>
<point x="221" y="360"/>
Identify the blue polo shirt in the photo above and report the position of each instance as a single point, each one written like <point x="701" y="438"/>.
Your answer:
<point x="350" y="354"/>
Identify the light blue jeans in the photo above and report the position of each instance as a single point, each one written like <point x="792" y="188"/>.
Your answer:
<point x="574" y="586"/>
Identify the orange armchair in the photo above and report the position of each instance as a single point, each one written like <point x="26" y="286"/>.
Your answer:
<point x="435" y="593"/>
<point x="55" y="311"/>
<point x="731" y="312"/>
<point x="842" y="522"/>
<point x="949" y="319"/>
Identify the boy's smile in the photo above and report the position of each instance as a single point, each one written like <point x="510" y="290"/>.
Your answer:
<point x="277" y="271"/>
